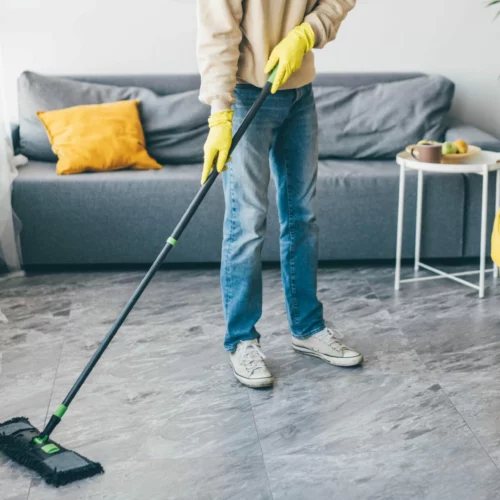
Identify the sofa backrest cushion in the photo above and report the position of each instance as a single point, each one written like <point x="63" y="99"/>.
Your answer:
<point x="379" y="120"/>
<point x="175" y="125"/>
<point x="361" y="115"/>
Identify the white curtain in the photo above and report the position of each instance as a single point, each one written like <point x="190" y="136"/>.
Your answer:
<point x="10" y="250"/>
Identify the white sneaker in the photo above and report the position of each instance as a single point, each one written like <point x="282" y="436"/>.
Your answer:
<point x="248" y="365"/>
<point x="326" y="346"/>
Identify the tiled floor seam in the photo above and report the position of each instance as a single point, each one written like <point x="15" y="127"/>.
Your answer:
<point x="55" y="378"/>
<point x="260" y="444"/>
<point x="469" y="427"/>
<point x="50" y="401"/>
<point x="29" y="490"/>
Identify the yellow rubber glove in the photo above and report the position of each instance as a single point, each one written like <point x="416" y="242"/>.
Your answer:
<point x="218" y="142"/>
<point x="289" y="54"/>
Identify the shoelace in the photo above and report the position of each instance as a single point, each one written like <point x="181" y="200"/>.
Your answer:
<point x="252" y="357"/>
<point x="328" y="337"/>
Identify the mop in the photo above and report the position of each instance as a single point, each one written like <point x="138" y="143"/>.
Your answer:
<point x="23" y="442"/>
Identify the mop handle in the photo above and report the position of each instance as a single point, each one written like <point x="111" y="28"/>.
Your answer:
<point x="171" y="242"/>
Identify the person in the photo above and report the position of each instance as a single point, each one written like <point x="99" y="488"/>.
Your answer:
<point x="239" y="43"/>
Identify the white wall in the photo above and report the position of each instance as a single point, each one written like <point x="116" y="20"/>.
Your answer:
<point x="457" y="38"/>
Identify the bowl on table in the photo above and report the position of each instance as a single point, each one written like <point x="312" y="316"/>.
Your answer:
<point x="452" y="158"/>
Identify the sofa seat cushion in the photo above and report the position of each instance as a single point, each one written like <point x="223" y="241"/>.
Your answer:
<point x="358" y="202"/>
<point x="125" y="217"/>
<point x="112" y="217"/>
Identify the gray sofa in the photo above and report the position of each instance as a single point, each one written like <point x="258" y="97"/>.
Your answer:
<point x="124" y="217"/>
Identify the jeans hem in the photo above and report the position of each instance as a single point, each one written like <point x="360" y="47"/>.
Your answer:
<point x="309" y="334"/>
<point x="232" y="347"/>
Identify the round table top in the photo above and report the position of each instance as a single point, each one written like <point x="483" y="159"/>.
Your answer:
<point x="473" y="165"/>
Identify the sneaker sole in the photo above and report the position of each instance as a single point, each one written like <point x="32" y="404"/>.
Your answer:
<point x="343" y="362"/>
<point x="253" y="383"/>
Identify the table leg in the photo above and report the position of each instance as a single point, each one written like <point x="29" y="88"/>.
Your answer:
<point x="400" y="226"/>
<point x="418" y="231"/>
<point x="497" y="207"/>
<point x="484" y="217"/>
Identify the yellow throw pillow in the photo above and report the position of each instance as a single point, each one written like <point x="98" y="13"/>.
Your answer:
<point x="98" y="137"/>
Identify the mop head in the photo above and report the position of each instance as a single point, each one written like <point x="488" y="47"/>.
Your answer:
<point x="54" y="463"/>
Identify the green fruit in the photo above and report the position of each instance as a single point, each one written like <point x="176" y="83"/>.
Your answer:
<point x="449" y="148"/>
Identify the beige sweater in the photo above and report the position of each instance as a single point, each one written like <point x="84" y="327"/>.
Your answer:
<point x="236" y="37"/>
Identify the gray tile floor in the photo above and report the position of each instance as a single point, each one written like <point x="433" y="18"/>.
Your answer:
<point x="162" y="412"/>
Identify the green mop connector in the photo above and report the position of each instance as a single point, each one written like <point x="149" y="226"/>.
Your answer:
<point x="54" y="420"/>
<point x="44" y="437"/>
<point x="60" y="411"/>
<point x="172" y="241"/>
<point x="50" y="449"/>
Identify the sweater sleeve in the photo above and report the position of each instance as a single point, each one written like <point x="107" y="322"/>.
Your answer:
<point x="326" y="18"/>
<point x="218" y="50"/>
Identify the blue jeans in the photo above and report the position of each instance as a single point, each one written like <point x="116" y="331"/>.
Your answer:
<point x="283" y="139"/>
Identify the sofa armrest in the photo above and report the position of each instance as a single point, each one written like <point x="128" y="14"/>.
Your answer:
<point x="14" y="132"/>
<point x="472" y="135"/>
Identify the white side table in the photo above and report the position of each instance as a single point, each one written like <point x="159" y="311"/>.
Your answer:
<point x="481" y="164"/>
